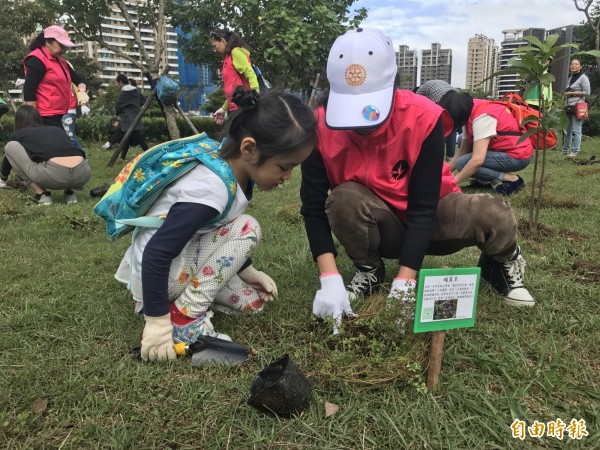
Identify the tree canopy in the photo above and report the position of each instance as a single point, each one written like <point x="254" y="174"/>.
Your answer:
<point x="289" y="41"/>
<point x="18" y="21"/>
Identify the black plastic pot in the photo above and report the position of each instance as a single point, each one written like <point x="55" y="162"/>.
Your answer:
<point x="280" y="388"/>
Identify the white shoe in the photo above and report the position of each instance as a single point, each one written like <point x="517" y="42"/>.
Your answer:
<point x="4" y="184"/>
<point x="70" y="199"/>
<point x="44" y="199"/>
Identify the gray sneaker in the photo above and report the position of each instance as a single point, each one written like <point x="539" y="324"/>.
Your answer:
<point x="43" y="199"/>
<point x="70" y="198"/>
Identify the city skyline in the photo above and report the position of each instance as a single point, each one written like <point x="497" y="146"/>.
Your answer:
<point x="453" y="22"/>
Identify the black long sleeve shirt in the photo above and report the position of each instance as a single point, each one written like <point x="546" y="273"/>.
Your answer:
<point x="422" y="201"/>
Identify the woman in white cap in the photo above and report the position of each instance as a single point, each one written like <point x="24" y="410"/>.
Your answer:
<point x="48" y="77"/>
<point x="377" y="180"/>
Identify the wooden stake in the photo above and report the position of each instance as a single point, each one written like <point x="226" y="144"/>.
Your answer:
<point x="186" y="118"/>
<point x="435" y="359"/>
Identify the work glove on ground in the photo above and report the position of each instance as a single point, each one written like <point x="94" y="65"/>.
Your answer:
<point x="259" y="281"/>
<point x="106" y="145"/>
<point x="332" y="299"/>
<point x="82" y="98"/>
<point x="157" y="339"/>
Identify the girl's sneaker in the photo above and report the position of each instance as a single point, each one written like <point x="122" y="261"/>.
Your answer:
<point x="187" y="329"/>
<point x="4" y="184"/>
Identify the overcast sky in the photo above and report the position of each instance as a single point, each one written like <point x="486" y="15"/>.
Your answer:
<point x="452" y="22"/>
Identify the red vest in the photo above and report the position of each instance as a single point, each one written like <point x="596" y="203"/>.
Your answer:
<point x="53" y="94"/>
<point x="506" y="123"/>
<point x="231" y="80"/>
<point x="383" y="160"/>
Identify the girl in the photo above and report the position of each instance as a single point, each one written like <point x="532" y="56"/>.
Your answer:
<point x="45" y="157"/>
<point x="237" y="68"/>
<point x="578" y="88"/>
<point x="128" y="107"/>
<point x="183" y="268"/>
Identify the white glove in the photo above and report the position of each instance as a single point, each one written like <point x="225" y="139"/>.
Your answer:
<point x="403" y="289"/>
<point x="85" y="110"/>
<point x="402" y="296"/>
<point x="260" y="281"/>
<point x="157" y="339"/>
<point x="332" y="300"/>
<point x="82" y="98"/>
<point x="106" y="145"/>
<point x="219" y="116"/>
<point x="19" y="82"/>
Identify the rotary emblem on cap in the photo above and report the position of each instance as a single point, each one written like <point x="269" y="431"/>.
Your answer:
<point x="355" y="75"/>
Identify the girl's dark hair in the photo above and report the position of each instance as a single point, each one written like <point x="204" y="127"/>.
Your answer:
<point x="39" y="41"/>
<point x="279" y="123"/>
<point x="459" y="104"/>
<point x="233" y="39"/>
<point x="27" y="116"/>
<point x="122" y="79"/>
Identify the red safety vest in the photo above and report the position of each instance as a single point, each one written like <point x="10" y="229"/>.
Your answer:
<point x="53" y="94"/>
<point x="232" y="79"/>
<point x="383" y="160"/>
<point x="506" y="123"/>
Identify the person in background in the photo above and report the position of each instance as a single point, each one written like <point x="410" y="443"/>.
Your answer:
<point x="578" y="87"/>
<point x="48" y="77"/>
<point x="457" y="102"/>
<point x="128" y="107"/>
<point x="377" y="180"/>
<point x="237" y="67"/>
<point x="490" y="150"/>
<point x="190" y="266"/>
<point x="44" y="157"/>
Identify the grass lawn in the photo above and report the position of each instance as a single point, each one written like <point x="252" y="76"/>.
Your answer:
<point x="66" y="326"/>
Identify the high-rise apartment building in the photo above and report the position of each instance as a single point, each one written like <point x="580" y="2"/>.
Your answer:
<point x="116" y="32"/>
<point x="482" y="61"/>
<point x="407" y="62"/>
<point x="436" y="64"/>
<point x="513" y="39"/>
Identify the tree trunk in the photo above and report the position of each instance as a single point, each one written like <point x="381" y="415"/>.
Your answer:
<point x="170" y="116"/>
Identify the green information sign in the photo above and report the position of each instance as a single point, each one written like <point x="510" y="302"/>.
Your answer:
<point x="446" y="299"/>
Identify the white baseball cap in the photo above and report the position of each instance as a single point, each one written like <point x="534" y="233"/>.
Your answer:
<point x="361" y="70"/>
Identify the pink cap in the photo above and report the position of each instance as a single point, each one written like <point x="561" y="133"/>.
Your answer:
<point x="58" y="33"/>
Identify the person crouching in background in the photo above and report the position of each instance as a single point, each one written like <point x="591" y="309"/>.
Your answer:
<point x="45" y="157"/>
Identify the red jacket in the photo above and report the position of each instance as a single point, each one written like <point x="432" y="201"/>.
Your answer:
<point x="383" y="160"/>
<point x="231" y="80"/>
<point x="506" y="123"/>
<point x="53" y="94"/>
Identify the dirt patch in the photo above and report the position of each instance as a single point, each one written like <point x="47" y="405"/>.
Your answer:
<point x="543" y="231"/>
<point x="588" y="171"/>
<point x="582" y="271"/>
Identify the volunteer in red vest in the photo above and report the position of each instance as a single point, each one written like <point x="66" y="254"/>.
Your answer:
<point x="237" y="68"/>
<point x="48" y="77"/>
<point x="377" y="180"/>
<point x="489" y="152"/>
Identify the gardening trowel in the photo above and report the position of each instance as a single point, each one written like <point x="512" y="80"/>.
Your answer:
<point x="209" y="350"/>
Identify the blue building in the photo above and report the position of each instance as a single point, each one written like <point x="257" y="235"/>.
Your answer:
<point x="195" y="82"/>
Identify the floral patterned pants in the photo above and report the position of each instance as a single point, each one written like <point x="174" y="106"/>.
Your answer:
<point x="205" y="276"/>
